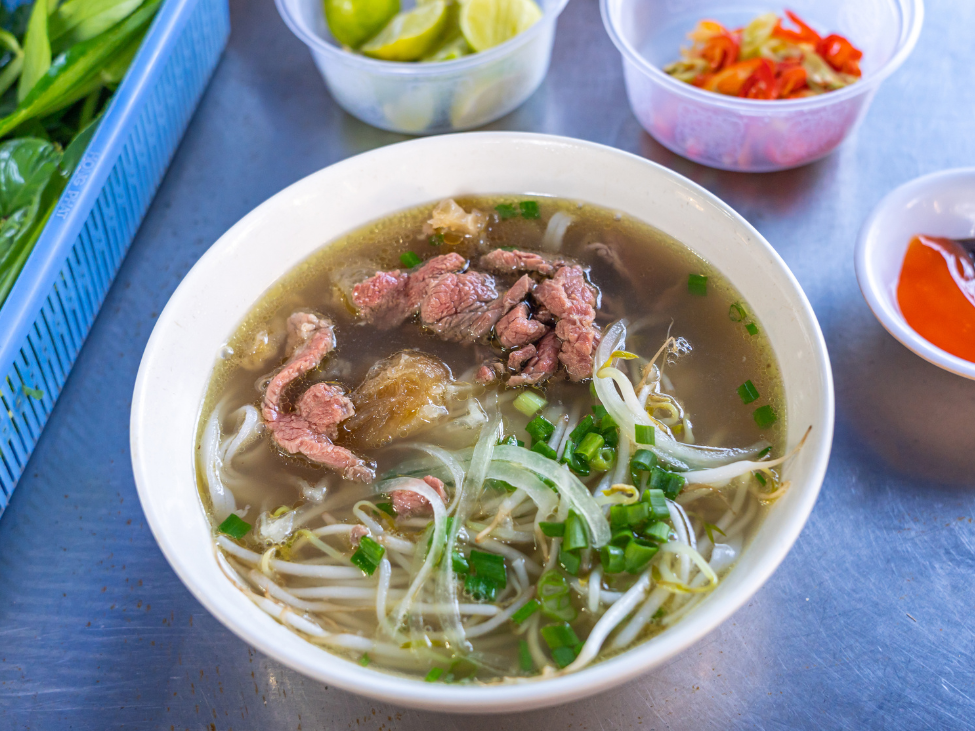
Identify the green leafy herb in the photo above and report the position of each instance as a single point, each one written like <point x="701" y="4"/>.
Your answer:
<point x="234" y="527"/>
<point x="747" y="392"/>
<point x="529" y="209"/>
<point x="368" y="555"/>
<point x="697" y="284"/>
<point x="37" y="50"/>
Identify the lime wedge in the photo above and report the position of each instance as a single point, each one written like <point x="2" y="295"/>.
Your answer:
<point x="353" y="22"/>
<point x="409" y="35"/>
<point x="452" y="43"/>
<point x="489" y="23"/>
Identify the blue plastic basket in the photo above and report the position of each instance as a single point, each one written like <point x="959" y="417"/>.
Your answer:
<point x="51" y="308"/>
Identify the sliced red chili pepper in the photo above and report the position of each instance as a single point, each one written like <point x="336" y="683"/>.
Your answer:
<point x="805" y="34"/>
<point x="731" y="80"/>
<point x="840" y="54"/>
<point x="720" y="51"/>
<point x="761" y="84"/>
<point x="790" y="80"/>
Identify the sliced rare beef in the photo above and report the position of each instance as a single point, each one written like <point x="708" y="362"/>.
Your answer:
<point x="461" y="307"/>
<point x="571" y="299"/>
<point x="510" y="261"/>
<point x="311" y="427"/>
<point x="518" y="358"/>
<point x="515" y="329"/>
<point x="490" y="372"/>
<point x="387" y="299"/>
<point x="542" y="365"/>
<point x="407" y="502"/>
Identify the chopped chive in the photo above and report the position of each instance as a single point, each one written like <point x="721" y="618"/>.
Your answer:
<point x="234" y="527"/>
<point x="387" y="508"/>
<point x="752" y="328"/>
<point x="511" y="441"/>
<point x="570" y="562"/>
<point x="590" y="446"/>
<point x="643" y="461"/>
<point x="368" y="555"/>
<point x="765" y="416"/>
<point x="697" y="284"/>
<point x="658" y="504"/>
<point x="600" y="413"/>
<point x="611" y="434"/>
<point x="540" y="428"/>
<point x="525" y="661"/>
<point x="461" y="566"/>
<point x="552" y="530"/>
<point x="761" y="478"/>
<point x="575" y="533"/>
<point x="365" y="659"/>
<point x="409" y="259"/>
<point x="621" y="537"/>
<point x="506" y="211"/>
<point x="644" y="434"/>
<point x="603" y="460"/>
<point x="435" y="240"/>
<point x="490" y="565"/>
<point x="34" y="393"/>
<point x="658" y="531"/>
<point x="659" y="614"/>
<point x="564" y="656"/>
<point x="543" y="449"/>
<point x="434" y="675"/>
<point x="529" y="209"/>
<point x="555" y="596"/>
<point x="529" y="403"/>
<point x="480" y="588"/>
<point x="737" y="312"/>
<point x="584" y="427"/>
<point x="559" y="635"/>
<point x="526" y="611"/>
<point x="638" y="554"/>
<point x="764" y="453"/>
<point x="747" y="392"/>
<point x="611" y="557"/>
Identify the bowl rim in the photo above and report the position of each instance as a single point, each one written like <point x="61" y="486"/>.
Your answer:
<point x="906" y="42"/>
<point x="414" y="68"/>
<point x="540" y="693"/>
<point x="883" y="308"/>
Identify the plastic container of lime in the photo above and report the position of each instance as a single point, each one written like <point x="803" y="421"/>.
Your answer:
<point x="751" y="135"/>
<point x="427" y="98"/>
<point x="53" y="304"/>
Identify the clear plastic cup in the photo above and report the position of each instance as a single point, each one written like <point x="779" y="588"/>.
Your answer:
<point x="427" y="98"/>
<point x="751" y="135"/>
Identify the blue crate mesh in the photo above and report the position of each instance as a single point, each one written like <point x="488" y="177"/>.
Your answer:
<point x="39" y="370"/>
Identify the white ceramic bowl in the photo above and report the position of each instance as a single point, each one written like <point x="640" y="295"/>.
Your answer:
<point x="269" y="241"/>
<point x="940" y="204"/>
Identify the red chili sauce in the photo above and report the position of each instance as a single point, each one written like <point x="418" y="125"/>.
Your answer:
<point x="936" y="293"/>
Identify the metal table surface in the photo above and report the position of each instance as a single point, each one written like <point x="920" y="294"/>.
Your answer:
<point x="865" y="625"/>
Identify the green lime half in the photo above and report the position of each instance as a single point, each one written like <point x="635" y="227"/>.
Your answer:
<point x="489" y="23"/>
<point x="452" y="43"/>
<point x="353" y="22"/>
<point x="409" y="35"/>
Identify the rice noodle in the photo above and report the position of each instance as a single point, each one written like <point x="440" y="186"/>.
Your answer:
<point x="595" y="580"/>
<point x="555" y="231"/>
<point x="449" y="461"/>
<point x="288" y="567"/>
<point x="221" y="498"/>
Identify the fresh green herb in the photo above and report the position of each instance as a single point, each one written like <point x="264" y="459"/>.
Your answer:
<point x="657" y="531"/>
<point x="489" y="565"/>
<point x="552" y="530"/>
<point x="590" y="446"/>
<point x="526" y="611"/>
<point x="643" y="461"/>
<point x="658" y="504"/>
<point x="644" y="434"/>
<point x="555" y="597"/>
<point x="571" y="562"/>
<point x="409" y="259"/>
<point x="584" y="427"/>
<point x="506" y="211"/>
<point x="603" y="460"/>
<point x="559" y="635"/>
<point x="434" y="675"/>
<point x="659" y="614"/>
<point x="34" y="393"/>
<point x="747" y="392"/>
<point x="610" y="434"/>
<point x="621" y="536"/>
<point x="368" y="555"/>
<point x="612" y="559"/>
<point x="540" y="429"/>
<point x="752" y="328"/>
<point x="697" y="284"/>
<point x="460" y="564"/>
<point x="709" y="528"/>
<point x="600" y="413"/>
<point x="543" y="449"/>
<point x="765" y="416"/>
<point x="638" y="554"/>
<point x="575" y="536"/>
<point x="763" y="454"/>
<point x="761" y="478"/>
<point x="529" y="403"/>
<point x="435" y="240"/>
<point x="669" y="483"/>
<point x="511" y="440"/>
<point x="234" y="527"/>
<point x="365" y="659"/>
<point x="737" y="312"/>
<point x="525" y="661"/>
<point x="564" y="656"/>
<point x="529" y="209"/>
<point x="387" y="508"/>
<point x="480" y="589"/>
<point x="37" y="50"/>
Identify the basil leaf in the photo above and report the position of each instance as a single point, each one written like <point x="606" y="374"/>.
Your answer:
<point x="26" y="165"/>
<point x="37" y="50"/>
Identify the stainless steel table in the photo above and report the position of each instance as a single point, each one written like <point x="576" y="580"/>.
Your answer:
<point x="868" y="622"/>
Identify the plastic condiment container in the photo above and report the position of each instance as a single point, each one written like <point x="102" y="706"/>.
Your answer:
<point x="751" y="135"/>
<point x="427" y="98"/>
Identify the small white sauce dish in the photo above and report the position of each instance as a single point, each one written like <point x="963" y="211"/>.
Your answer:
<point x="223" y="286"/>
<point x="940" y="204"/>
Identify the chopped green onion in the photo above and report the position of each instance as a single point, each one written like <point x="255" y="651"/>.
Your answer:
<point x="368" y="555"/>
<point x="644" y="434"/>
<point x="764" y="453"/>
<point x="752" y="328"/>
<point x="765" y="416"/>
<point x="747" y="392"/>
<point x="621" y="537"/>
<point x="435" y="240"/>
<point x="461" y="566"/>
<point x="434" y="675"/>
<point x="709" y="528"/>
<point x="564" y="656"/>
<point x="34" y="393"/>
<point x="584" y="427"/>
<point x="529" y="403"/>
<point x="546" y="451"/>
<point x="643" y="461"/>
<point x="658" y="504"/>
<point x="506" y="211"/>
<point x="540" y="429"/>
<point x="526" y="611"/>
<point x="590" y="446"/>
<point x="365" y="659"/>
<point x="638" y="554"/>
<point x="599" y="412"/>
<point x="234" y="527"/>
<point x="669" y="483"/>
<point x="525" y="661"/>
<point x="612" y="559"/>
<point x="570" y="562"/>
<point x="552" y="530"/>
<point x="607" y="422"/>
<point x="737" y="312"/>
<point x="511" y="441"/>
<point x="658" y="531"/>
<point x="481" y="588"/>
<point x="697" y="284"/>
<point x="603" y="460"/>
<point x="555" y="597"/>
<point x="559" y="635"/>
<point x="761" y="478"/>
<point x="386" y="508"/>
<point x="409" y="259"/>
<point x="611" y="435"/>
<point x="488" y="565"/>
<point x="575" y="533"/>
<point x="659" y="614"/>
<point x="529" y="209"/>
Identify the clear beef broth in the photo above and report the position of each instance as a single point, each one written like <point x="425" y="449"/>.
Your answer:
<point x="647" y="284"/>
